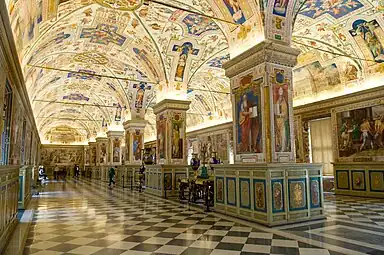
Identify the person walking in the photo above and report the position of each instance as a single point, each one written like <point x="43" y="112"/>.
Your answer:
<point x="111" y="176"/>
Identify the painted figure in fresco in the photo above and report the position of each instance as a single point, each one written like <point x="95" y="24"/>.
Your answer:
<point x="245" y="125"/>
<point x="351" y="72"/>
<point x="116" y="151"/>
<point x="176" y="150"/>
<point x="366" y="132"/>
<point x="282" y="122"/>
<point x="346" y="141"/>
<point x="136" y="147"/>
<point x="161" y="137"/>
<point x="185" y="50"/>
<point x="366" y="31"/>
<point x="139" y="97"/>
<point x="280" y="7"/>
<point x="234" y="8"/>
<point x="379" y="128"/>
<point x="118" y="113"/>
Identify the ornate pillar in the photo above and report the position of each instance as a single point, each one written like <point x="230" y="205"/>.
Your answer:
<point x="101" y="148"/>
<point x="171" y="131"/>
<point x="86" y="156"/>
<point x="92" y="153"/>
<point x="115" y="139"/>
<point x="261" y="88"/>
<point x="134" y="140"/>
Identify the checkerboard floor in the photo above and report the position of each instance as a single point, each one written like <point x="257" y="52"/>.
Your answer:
<point x="88" y="218"/>
<point x="355" y="209"/>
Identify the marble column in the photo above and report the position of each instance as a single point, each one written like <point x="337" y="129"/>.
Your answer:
<point x="134" y="140"/>
<point x="261" y="88"/>
<point x="101" y="150"/>
<point x="115" y="142"/>
<point x="171" y="145"/>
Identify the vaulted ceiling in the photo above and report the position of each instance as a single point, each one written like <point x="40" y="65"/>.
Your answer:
<point x="130" y="45"/>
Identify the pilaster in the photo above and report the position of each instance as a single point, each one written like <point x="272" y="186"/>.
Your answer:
<point x="92" y="153"/>
<point x="101" y="148"/>
<point x="115" y="139"/>
<point x="171" y="142"/>
<point x="261" y="88"/>
<point x="134" y="140"/>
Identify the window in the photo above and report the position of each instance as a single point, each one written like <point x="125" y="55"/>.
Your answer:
<point x="5" y="135"/>
<point x="320" y="132"/>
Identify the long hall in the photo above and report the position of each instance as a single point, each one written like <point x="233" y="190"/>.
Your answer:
<point x="192" y="127"/>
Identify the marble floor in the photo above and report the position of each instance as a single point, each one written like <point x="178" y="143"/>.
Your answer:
<point x="86" y="217"/>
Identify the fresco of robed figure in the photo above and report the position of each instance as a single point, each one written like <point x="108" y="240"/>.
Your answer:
<point x="281" y="112"/>
<point x="248" y="116"/>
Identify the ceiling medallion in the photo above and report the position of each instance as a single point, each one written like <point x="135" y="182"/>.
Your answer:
<point x="91" y="58"/>
<point x="122" y="5"/>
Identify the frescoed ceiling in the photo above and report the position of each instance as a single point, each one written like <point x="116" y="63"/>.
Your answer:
<point x="342" y="44"/>
<point x="131" y="46"/>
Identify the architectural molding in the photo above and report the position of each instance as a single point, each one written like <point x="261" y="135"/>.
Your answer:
<point x="168" y="104"/>
<point x="266" y="51"/>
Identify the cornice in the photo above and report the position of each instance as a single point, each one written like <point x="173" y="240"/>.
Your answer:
<point x="115" y="133"/>
<point x="266" y="51"/>
<point x="325" y="106"/>
<point x="135" y="124"/>
<point x="167" y="104"/>
<point x="101" y="139"/>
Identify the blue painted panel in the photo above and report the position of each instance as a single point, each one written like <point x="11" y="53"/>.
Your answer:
<point x="315" y="192"/>
<point x="297" y="193"/>
<point x="231" y="191"/>
<point x="219" y="190"/>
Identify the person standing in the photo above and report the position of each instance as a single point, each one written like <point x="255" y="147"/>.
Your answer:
<point x="111" y="176"/>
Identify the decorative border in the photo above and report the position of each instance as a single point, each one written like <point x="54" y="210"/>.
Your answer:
<point x="265" y="195"/>
<point x="249" y="192"/>
<point x="234" y="179"/>
<point x="303" y="180"/>
<point x="281" y="181"/>
<point x="365" y="184"/>
<point x="319" y="190"/>
<point x="337" y="179"/>
<point x="370" y="180"/>
<point x="219" y="201"/>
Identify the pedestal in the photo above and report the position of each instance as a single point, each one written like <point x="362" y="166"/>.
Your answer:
<point x="134" y="140"/>
<point x="365" y="179"/>
<point x="261" y="86"/>
<point x="162" y="180"/>
<point x="271" y="194"/>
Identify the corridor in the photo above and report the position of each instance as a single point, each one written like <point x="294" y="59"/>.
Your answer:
<point x="89" y="218"/>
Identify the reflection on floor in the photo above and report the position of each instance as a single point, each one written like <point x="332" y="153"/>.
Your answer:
<point x="89" y="218"/>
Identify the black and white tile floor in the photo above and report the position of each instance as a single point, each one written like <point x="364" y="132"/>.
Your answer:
<point x="88" y="218"/>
